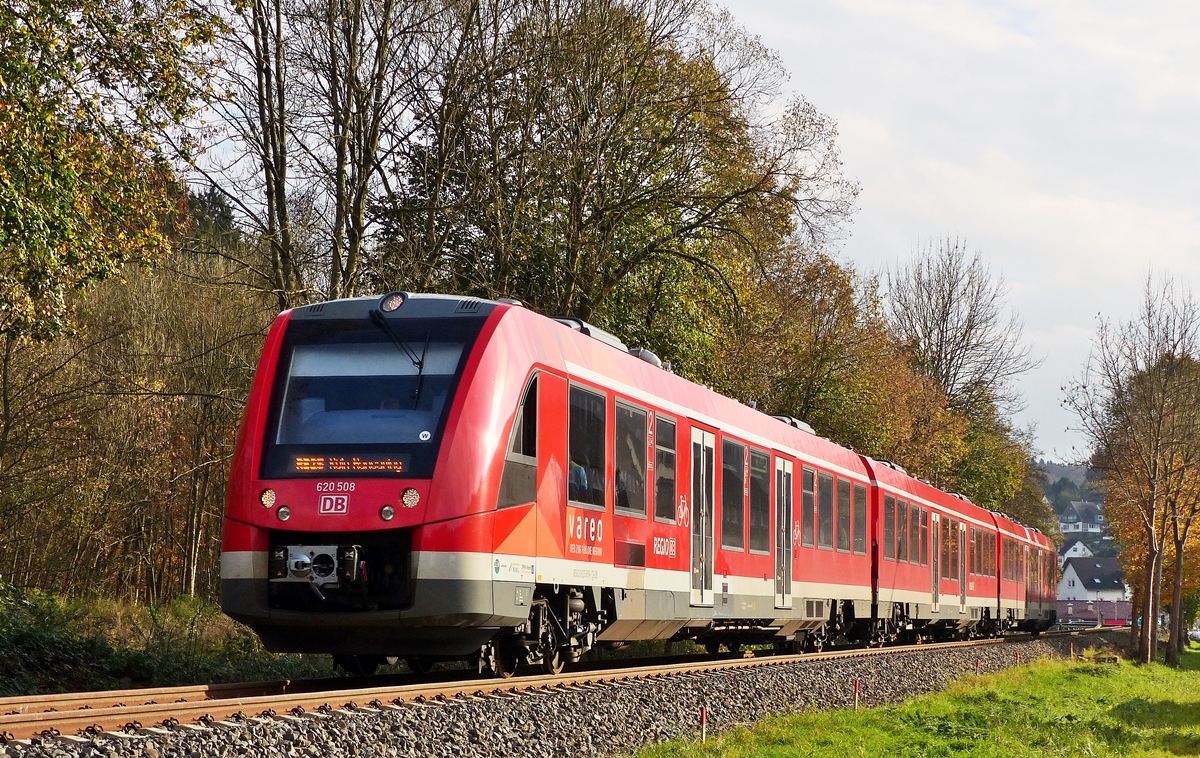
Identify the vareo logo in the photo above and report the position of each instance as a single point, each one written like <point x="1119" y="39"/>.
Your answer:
<point x="334" y="505"/>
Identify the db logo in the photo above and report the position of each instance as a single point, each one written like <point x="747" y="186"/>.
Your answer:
<point x="334" y="505"/>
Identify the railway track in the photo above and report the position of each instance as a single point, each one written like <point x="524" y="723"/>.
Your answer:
<point x="121" y="712"/>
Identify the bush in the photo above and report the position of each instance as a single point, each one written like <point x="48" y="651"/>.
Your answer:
<point x="52" y="644"/>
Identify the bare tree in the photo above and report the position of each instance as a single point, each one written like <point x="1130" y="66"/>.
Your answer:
<point x="951" y="311"/>
<point x="249" y="151"/>
<point x="319" y="97"/>
<point x="1136" y="404"/>
<point x="361" y="66"/>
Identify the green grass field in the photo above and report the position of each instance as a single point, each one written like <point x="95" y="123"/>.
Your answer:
<point x="1047" y="708"/>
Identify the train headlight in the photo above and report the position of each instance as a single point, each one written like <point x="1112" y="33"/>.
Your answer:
<point x="387" y="513"/>
<point x="284" y="513"/>
<point x="267" y="498"/>
<point x="391" y="302"/>
<point x="410" y="497"/>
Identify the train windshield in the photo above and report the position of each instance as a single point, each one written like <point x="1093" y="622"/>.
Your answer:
<point x="353" y="398"/>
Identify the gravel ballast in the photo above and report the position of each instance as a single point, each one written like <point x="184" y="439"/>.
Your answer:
<point x="610" y="719"/>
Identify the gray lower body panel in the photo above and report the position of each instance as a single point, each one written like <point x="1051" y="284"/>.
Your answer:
<point x="448" y="617"/>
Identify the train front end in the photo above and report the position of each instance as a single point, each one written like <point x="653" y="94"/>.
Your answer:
<point x="333" y="498"/>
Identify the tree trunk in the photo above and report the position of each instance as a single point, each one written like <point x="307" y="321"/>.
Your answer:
<point x="1158" y="571"/>
<point x="1174" y="645"/>
<point x="1135" y="629"/>
<point x="1146" y="652"/>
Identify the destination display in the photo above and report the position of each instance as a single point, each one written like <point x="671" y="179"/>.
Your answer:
<point x="350" y="464"/>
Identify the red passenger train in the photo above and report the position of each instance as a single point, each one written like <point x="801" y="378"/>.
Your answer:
<point x="436" y="477"/>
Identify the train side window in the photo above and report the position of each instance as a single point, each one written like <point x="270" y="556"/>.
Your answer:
<point x="825" y="511"/>
<point x="955" y="546"/>
<point x="889" y="527"/>
<point x="924" y="537"/>
<point x="518" y="483"/>
<point x="945" y="548"/>
<point x="664" y="469"/>
<point x="733" y="495"/>
<point x="760" y="501"/>
<point x="808" y="506"/>
<point x="971" y="552"/>
<point x="860" y="519"/>
<point x="843" y="515"/>
<point x="629" y="459"/>
<point x="902" y="531"/>
<point x="977" y="558"/>
<point x="914" y="533"/>
<point x="585" y="444"/>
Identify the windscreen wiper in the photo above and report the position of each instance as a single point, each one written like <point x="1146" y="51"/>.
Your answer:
<point x="378" y="319"/>
<point x="421" y="372"/>
<point x="417" y="362"/>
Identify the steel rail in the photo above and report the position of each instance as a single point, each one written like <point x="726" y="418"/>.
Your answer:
<point x="221" y="702"/>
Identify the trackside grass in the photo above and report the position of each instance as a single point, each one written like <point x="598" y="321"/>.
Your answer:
<point x="1053" y="708"/>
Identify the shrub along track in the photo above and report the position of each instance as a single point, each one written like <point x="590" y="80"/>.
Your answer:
<point x="109" y="717"/>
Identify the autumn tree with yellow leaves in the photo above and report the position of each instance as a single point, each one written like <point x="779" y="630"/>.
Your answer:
<point x="1137" y="404"/>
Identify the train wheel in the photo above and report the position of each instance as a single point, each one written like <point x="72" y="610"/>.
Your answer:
<point x="712" y="648"/>
<point x="553" y="661"/>
<point x="505" y="662"/>
<point x="814" y="643"/>
<point x="500" y="660"/>
<point x="419" y="664"/>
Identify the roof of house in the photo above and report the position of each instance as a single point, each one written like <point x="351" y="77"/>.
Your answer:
<point x="1091" y="513"/>
<point x="1098" y="573"/>
<point x="1070" y="543"/>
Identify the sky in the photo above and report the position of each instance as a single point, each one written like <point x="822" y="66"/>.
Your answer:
<point x="1060" y="139"/>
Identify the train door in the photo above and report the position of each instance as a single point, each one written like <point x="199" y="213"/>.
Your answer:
<point x="963" y="550"/>
<point x="703" y="454"/>
<point x="1028" y="573"/>
<point x="935" y="559"/>
<point x="783" y="533"/>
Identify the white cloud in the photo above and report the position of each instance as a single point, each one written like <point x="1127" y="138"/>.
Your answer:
<point x="1059" y="138"/>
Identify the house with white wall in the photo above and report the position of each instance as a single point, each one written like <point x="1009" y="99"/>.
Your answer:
<point x="1073" y="548"/>
<point x="1082" y="517"/>
<point x="1092" y="579"/>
